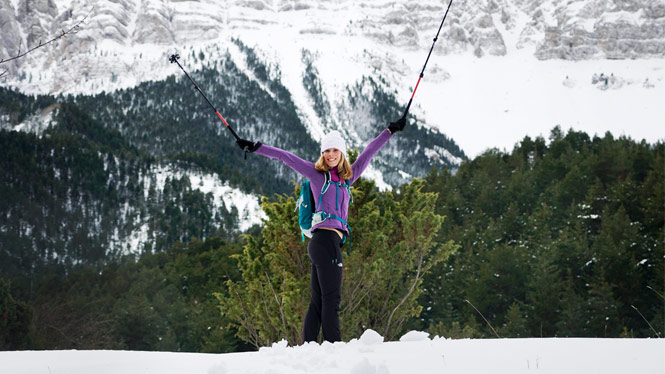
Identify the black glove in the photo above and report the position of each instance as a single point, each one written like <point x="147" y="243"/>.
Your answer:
<point x="397" y="125"/>
<point x="247" y="146"/>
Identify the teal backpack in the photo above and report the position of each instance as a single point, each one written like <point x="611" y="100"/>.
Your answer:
<point x="307" y="214"/>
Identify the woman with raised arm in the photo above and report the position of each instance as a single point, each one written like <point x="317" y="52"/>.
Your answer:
<point x="324" y="248"/>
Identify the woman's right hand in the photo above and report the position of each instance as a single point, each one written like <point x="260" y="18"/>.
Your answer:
<point x="247" y="146"/>
<point x="397" y="125"/>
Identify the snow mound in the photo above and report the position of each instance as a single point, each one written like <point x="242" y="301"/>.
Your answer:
<point x="414" y="336"/>
<point x="276" y="349"/>
<point x="371" y="337"/>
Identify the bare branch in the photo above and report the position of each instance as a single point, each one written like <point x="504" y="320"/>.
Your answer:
<point x="277" y="300"/>
<point x="409" y="292"/>
<point x="4" y="73"/>
<point x="645" y="320"/>
<point x="71" y="30"/>
<point x="649" y="287"/>
<point x="488" y="322"/>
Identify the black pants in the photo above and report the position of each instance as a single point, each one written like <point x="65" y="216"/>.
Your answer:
<point x="326" y="286"/>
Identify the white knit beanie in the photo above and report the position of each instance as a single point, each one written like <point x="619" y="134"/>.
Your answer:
<point x="333" y="140"/>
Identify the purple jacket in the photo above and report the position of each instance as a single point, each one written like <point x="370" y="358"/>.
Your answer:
<point x="335" y="200"/>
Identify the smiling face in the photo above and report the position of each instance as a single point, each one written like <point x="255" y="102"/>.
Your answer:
<point x="332" y="157"/>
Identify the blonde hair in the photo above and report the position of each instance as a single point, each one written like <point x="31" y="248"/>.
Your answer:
<point x="343" y="168"/>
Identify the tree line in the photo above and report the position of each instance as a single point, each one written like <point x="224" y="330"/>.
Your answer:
<point x="161" y="301"/>
<point x="556" y="238"/>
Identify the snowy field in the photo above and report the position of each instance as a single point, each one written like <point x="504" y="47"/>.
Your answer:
<point x="414" y="353"/>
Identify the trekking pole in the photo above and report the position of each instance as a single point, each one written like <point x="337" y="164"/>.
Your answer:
<point x="422" y="73"/>
<point x="174" y="59"/>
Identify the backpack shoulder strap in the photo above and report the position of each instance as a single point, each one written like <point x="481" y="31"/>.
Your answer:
<point x="348" y="188"/>
<point x="324" y="188"/>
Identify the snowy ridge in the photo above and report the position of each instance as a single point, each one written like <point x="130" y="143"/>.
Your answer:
<point x="414" y="353"/>
<point x="485" y="86"/>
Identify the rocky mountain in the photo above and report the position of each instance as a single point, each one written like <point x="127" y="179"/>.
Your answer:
<point x="123" y="43"/>
<point x="576" y="29"/>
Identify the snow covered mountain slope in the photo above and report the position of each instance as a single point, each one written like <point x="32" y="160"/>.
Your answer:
<point x="501" y="69"/>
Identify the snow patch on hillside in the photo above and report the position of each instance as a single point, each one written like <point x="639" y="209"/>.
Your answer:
<point x="248" y="205"/>
<point x="35" y="124"/>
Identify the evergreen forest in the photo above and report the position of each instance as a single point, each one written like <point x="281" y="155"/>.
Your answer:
<point x="560" y="237"/>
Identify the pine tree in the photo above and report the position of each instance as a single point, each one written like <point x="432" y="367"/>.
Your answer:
<point x="603" y="308"/>
<point x="15" y="319"/>
<point x="396" y="248"/>
<point x="268" y="303"/>
<point x="574" y="319"/>
<point x="516" y="325"/>
<point x="392" y="249"/>
<point x="544" y="290"/>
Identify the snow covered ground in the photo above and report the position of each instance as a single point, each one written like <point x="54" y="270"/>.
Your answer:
<point x="414" y="353"/>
